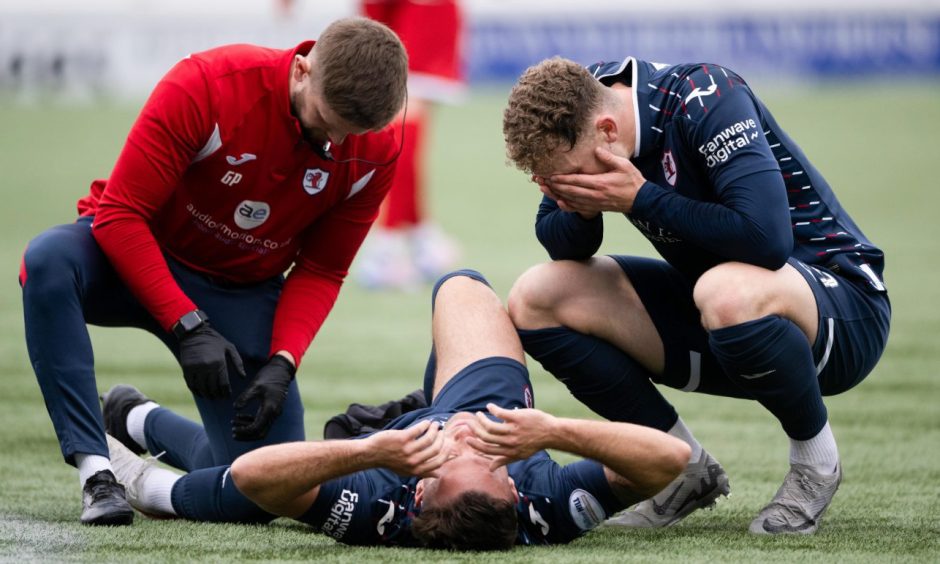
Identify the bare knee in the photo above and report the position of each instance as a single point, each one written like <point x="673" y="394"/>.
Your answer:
<point x="729" y="294"/>
<point x="534" y="298"/>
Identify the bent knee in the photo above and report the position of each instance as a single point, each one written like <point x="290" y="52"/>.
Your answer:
<point x="535" y="296"/>
<point x="50" y="260"/>
<point x="730" y="294"/>
<point x="527" y="298"/>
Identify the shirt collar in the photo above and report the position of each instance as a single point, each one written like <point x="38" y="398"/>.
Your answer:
<point x="636" y="74"/>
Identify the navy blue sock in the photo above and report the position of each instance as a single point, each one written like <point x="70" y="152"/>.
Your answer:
<point x="772" y="359"/>
<point x="600" y="376"/>
<point x="210" y="495"/>
<point x="183" y="442"/>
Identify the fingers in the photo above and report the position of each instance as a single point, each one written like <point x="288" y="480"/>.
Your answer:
<point x="247" y="427"/>
<point x="484" y="446"/>
<point x="235" y="360"/>
<point x="251" y="393"/>
<point x="502" y="455"/>
<point x="607" y="157"/>
<point x="500" y="461"/>
<point x="423" y="449"/>
<point x="501" y="412"/>
<point x="486" y="428"/>
<point x="222" y="388"/>
<point x="243" y="427"/>
<point x="437" y="457"/>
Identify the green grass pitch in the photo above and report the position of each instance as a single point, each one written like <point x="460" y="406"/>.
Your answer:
<point x="875" y="142"/>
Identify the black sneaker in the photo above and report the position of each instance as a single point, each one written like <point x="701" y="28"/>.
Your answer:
<point x="116" y="404"/>
<point x="103" y="501"/>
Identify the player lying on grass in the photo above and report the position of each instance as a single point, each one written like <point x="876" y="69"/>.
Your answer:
<point x="768" y="290"/>
<point x="468" y="472"/>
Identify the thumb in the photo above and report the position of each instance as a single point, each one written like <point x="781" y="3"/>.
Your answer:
<point x="235" y="360"/>
<point x="251" y="393"/>
<point x="499" y="461"/>
<point x="415" y="431"/>
<point x="504" y="414"/>
<point x="608" y="157"/>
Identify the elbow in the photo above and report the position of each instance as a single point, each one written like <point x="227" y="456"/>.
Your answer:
<point x="771" y="246"/>
<point x="672" y="461"/>
<point x="775" y="253"/>
<point x="566" y="251"/>
<point x="676" y="460"/>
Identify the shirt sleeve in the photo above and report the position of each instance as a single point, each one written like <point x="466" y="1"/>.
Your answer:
<point x="344" y="507"/>
<point x="750" y="224"/>
<point x="747" y="216"/>
<point x="172" y="126"/>
<point x="328" y="249"/>
<point x="567" y="235"/>
<point x="565" y="502"/>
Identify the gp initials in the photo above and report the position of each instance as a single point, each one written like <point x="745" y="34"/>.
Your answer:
<point x="231" y="178"/>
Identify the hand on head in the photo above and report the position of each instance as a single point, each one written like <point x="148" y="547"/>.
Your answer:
<point x="588" y="194"/>
<point x="520" y="434"/>
<point x="415" y="451"/>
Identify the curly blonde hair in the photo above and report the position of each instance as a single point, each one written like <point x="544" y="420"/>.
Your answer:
<point x="549" y="107"/>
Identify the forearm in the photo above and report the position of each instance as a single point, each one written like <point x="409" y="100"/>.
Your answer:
<point x="136" y="256"/>
<point x="284" y="479"/>
<point x="567" y="235"/>
<point x="751" y="224"/>
<point x="304" y="305"/>
<point x="643" y="459"/>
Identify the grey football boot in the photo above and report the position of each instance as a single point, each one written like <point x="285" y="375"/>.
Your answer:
<point x="133" y="471"/>
<point x="799" y="503"/>
<point x="699" y="485"/>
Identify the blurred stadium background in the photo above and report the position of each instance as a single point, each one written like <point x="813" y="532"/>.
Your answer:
<point x="87" y="48"/>
<point x="855" y="83"/>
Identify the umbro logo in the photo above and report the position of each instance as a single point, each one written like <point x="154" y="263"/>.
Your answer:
<point x="759" y="374"/>
<point x="244" y="158"/>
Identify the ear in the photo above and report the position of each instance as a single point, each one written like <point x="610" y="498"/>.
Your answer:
<point x="419" y="493"/>
<point x="607" y="128"/>
<point x="301" y="68"/>
<point x="512" y="486"/>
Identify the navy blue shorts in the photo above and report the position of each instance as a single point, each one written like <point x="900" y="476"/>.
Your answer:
<point x="496" y="379"/>
<point x="853" y="328"/>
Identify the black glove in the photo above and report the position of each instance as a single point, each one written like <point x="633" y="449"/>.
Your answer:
<point x="270" y="386"/>
<point x="207" y="357"/>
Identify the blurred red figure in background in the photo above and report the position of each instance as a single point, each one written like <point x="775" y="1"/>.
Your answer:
<point x="405" y="247"/>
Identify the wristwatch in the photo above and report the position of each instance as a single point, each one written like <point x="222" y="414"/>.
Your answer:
<point x="188" y="322"/>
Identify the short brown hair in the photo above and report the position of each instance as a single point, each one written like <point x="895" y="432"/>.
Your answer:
<point x="549" y="107"/>
<point x="472" y="521"/>
<point x="362" y="68"/>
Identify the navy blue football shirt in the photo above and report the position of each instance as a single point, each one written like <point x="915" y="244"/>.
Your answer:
<point x="375" y="507"/>
<point x="724" y="182"/>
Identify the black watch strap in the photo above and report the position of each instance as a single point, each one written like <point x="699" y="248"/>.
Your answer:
<point x="189" y="322"/>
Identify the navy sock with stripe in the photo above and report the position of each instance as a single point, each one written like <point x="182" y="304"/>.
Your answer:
<point x="600" y="375"/>
<point x="210" y="495"/>
<point x="772" y="360"/>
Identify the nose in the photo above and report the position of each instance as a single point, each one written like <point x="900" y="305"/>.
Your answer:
<point x="462" y="433"/>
